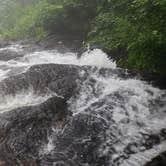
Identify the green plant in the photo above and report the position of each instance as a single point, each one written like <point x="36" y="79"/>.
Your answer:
<point x="137" y="25"/>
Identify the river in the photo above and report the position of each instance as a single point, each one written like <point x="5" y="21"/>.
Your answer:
<point x="106" y="117"/>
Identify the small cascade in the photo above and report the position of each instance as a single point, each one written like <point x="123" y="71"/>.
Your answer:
<point x="86" y="110"/>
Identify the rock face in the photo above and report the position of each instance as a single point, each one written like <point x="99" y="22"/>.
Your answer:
<point x="25" y="130"/>
<point x="86" y="116"/>
<point x="4" y="43"/>
<point x="42" y="78"/>
<point x="78" y="143"/>
<point x="158" y="161"/>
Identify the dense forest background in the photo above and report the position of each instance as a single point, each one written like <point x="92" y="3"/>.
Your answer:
<point x="134" y="28"/>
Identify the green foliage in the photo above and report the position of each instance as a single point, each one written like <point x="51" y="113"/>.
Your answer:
<point x="36" y="21"/>
<point x="137" y="25"/>
<point x="9" y="14"/>
<point x="78" y="14"/>
<point x="50" y="17"/>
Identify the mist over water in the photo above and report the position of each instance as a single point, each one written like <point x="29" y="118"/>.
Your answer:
<point x="128" y="106"/>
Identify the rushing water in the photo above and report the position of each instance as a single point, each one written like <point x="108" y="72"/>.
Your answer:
<point x="134" y="106"/>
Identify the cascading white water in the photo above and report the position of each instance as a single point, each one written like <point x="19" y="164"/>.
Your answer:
<point x="92" y="58"/>
<point x="21" y="64"/>
<point x="14" y="47"/>
<point x="21" y="99"/>
<point x="132" y="104"/>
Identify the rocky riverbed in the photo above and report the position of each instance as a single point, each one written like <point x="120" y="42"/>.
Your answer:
<point x="60" y="110"/>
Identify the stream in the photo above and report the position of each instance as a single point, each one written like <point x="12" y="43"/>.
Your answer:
<point x="58" y="109"/>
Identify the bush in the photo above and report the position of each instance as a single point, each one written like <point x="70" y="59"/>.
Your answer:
<point x="37" y="21"/>
<point x="139" y="27"/>
<point x="51" y="17"/>
<point x="136" y="26"/>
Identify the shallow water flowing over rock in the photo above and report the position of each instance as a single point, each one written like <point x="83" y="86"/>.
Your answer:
<point x="60" y="110"/>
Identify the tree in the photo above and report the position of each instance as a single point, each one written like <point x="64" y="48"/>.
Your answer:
<point x="138" y="26"/>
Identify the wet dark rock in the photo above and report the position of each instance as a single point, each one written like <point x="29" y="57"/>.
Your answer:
<point x="131" y="148"/>
<point x="6" y="55"/>
<point x="60" y="79"/>
<point x="92" y="138"/>
<point x="151" y="140"/>
<point x="4" y="42"/>
<point x="159" y="160"/>
<point x="79" y="142"/>
<point x="56" y="159"/>
<point x="27" y="130"/>
<point x="62" y="43"/>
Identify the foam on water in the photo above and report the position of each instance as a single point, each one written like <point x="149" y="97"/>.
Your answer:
<point x="93" y="58"/>
<point x="14" y="47"/>
<point x="142" y="158"/>
<point x="137" y="92"/>
<point x="133" y="105"/>
<point x="47" y="148"/>
<point x="23" y="98"/>
<point x="3" y="74"/>
<point x="7" y="68"/>
<point x="129" y="103"/>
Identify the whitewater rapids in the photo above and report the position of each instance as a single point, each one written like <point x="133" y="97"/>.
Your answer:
<point x="131" y="108"/>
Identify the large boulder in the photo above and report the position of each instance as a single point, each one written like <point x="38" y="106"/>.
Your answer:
<point x="159" y="160"/>
<point x="60" y="79"/>
<point x="79" y="143"/>
<point x="89" y="120"/>
<point x="24" y="131"/>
